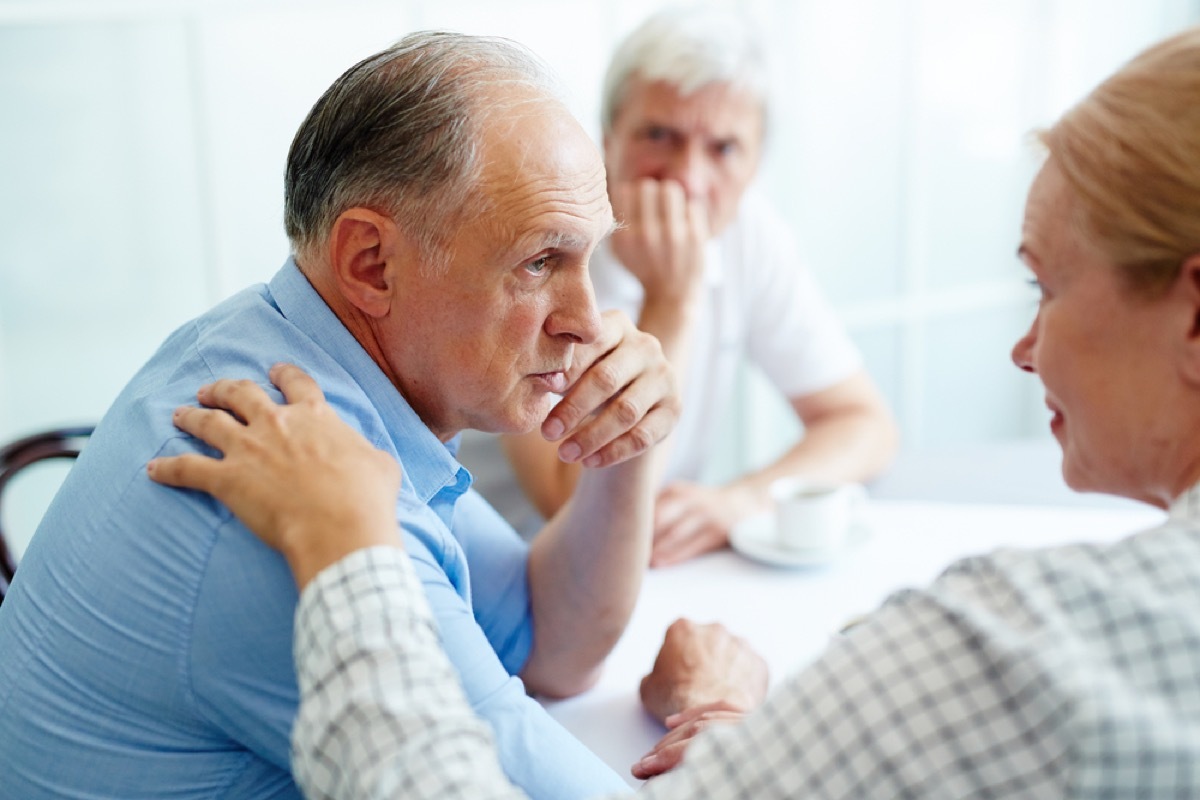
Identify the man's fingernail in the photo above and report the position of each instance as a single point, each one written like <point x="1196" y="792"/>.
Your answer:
<point x="570" y="452"/>
<point x="593" y="460"/>
<point x="553" y="428"/>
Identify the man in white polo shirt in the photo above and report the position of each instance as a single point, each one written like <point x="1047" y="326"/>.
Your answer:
<point x="706" y="265"/>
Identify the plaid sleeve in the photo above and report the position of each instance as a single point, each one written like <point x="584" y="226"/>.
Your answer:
<point x="381" y="711"/>
<point x="1068" y="672"/>
<point x="914" y="702"/>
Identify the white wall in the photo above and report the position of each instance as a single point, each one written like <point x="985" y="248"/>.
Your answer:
<point x="143" y="141"/>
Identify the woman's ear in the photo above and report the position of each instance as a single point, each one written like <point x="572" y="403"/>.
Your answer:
<point x="1188" y="287"/>
<point x="367" y="251"/>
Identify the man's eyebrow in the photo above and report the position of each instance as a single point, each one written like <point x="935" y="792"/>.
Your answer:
<point x="555" y="240"/>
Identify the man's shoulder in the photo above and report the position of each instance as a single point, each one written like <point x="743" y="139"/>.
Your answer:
<point x="108" y="503"/>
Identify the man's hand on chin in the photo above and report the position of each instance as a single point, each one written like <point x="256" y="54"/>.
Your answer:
<point x="622" y="400"/>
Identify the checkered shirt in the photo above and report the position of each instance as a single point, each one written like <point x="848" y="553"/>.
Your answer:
<point x="1068" y="672"/>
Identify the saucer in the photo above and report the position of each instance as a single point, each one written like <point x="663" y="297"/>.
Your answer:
<point x="755" y="538"/>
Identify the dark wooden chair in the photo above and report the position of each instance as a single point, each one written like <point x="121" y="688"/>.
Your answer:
<point x="16" y="456"/>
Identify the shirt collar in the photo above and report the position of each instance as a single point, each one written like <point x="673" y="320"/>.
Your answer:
<point x="429" y="465"/>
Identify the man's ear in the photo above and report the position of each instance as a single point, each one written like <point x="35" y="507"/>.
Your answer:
<point x="1188" y="286"/>
<point x="367" y="252"/>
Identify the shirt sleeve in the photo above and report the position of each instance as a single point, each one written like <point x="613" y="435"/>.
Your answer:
<point x="497" y="562"/>
<point x="535" y="751"/>
<point x="242" y="677"/>
<point x="239" y="659"/>
<point x="381" y="712"/>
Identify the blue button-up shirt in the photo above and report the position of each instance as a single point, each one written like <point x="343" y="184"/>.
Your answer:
<point x="146" y="644"/>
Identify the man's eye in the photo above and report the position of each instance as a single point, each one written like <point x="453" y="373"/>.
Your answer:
<point x="538" y="266"/>
<point x="725" y="149"/>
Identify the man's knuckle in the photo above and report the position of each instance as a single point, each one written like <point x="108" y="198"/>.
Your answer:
<point x="640" y="439"/>
<point x="626" y="411"/>
<point x="276" y="416"/>
<point x="568" y="412"/>
<point x="607" y="379"/>
<point x="643" y="340"/>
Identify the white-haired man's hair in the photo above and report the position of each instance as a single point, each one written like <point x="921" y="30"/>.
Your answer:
<point x="689" y="48"/>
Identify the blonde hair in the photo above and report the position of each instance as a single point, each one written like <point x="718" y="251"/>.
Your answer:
<point x="1131" y="149"/>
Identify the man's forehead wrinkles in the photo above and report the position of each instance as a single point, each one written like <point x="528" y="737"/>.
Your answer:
<point x="558" y="194"/>
<point x="567" y="229"/>
<point x="521" y="182"/>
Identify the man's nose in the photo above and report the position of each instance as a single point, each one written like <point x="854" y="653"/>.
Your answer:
<point x="690" y="168"/>
<point x="575" y="316"/>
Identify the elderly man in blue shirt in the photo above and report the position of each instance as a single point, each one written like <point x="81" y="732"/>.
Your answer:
<point x="442" y="206"/>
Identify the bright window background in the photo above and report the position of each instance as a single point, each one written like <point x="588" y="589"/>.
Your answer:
<point x="142" y="149"/>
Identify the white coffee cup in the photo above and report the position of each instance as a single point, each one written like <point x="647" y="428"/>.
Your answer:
<point x="815" y="516"/>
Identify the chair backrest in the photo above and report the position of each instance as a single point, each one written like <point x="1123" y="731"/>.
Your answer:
<point x="16" y="456"/>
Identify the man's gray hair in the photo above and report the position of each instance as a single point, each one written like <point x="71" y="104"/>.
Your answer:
<point x="399" y="133"/>
<point x="689" y="48"/>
